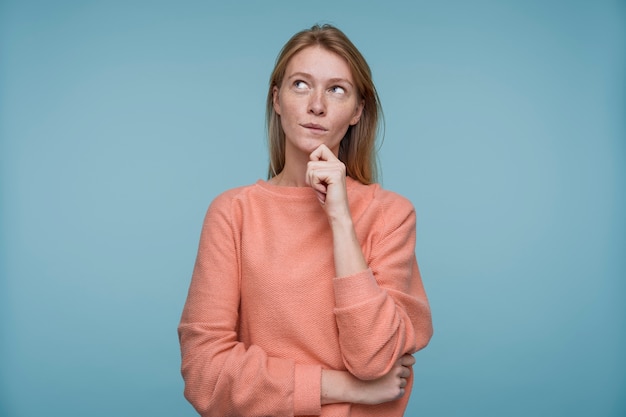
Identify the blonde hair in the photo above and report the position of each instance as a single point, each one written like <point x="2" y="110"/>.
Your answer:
<point x="357" y="149"/>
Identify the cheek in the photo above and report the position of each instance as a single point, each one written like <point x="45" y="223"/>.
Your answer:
<point x="291" y="109"/>
<point x="287" y="116"/>
<point x="348" y="114"/>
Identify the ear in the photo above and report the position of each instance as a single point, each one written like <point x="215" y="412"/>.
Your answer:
<point x="357" y="113"/>
<point x="275" y="100"/>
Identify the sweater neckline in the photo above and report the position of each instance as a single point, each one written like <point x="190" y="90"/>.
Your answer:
<point x="295" y="192"/>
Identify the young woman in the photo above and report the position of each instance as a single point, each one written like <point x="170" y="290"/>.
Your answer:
<point x="306" y="298"/>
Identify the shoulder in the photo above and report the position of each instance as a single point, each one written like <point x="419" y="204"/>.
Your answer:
<point x="227" y="197"/>
<point x="384" y="212"/>
<point x="228" y="203"/>
<point x="386" y="201"/>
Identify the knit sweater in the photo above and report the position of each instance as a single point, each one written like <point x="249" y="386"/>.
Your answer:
<point x="265" y="311"/>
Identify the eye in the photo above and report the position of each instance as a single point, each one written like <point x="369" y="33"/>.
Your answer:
<point x="338" y="89"/>
<point x="299" y="85"/>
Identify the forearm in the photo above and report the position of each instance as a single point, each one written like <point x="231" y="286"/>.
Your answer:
<point x="354" y="286"/>
<point x="377" y="323"/>
<point x="223" y="377"/>
<point x="348" y="255"/>
<point x="381" y="312"/>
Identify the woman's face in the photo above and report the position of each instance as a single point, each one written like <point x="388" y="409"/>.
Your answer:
<point x="317" y="101"/>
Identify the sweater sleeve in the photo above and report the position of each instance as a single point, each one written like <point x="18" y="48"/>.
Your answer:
<point x="223" y="377"/>
<point x="383" y="313"/>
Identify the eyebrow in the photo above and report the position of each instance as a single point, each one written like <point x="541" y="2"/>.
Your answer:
<point x="309" y="76"/>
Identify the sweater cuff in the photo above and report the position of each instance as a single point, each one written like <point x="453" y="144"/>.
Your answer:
<point x="354" y="289"/>
<point x="307" y="391"/>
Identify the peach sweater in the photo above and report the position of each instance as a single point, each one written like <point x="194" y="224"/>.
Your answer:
<point x="265" y="311"/>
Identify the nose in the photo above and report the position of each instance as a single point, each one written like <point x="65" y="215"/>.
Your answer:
<point x="317" y="103"/>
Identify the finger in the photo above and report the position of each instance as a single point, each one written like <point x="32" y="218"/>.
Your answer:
<point x="322" y="153"/>
<point x="333" y="165"/>
<point x="324" y="173"/>
<point x="320" y="191"/>
<point x="403" y="372"/>
<point x="407" y="360"/>
<point x="316" y="181"/>
<point x="403" y="383"/>
<point x="318" y="185"/>
<point x="325" y="176"/>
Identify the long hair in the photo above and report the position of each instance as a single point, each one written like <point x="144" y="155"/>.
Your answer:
<point x="357" y="149"/>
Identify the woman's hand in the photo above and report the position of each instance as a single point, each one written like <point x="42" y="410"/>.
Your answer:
<point x="387" y="388"/>
<point x="326" y="174"/>
<point x="340" y="386"/>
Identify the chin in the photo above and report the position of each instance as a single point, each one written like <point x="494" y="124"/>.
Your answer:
<point x="309" y="144"/>
<point x="313" y="144"/>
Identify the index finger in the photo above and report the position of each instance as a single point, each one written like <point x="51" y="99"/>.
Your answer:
<point x="322" y="153"/>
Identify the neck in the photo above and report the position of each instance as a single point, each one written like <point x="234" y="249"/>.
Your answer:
<point x="293" y="173"/>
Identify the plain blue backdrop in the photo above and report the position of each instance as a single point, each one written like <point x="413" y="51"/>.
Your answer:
<point x="505" y="125"/>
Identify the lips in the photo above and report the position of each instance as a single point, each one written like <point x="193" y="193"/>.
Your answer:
<point x="314" y="127"/>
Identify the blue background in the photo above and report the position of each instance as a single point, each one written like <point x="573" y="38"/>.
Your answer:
<point x="121" y="120"/>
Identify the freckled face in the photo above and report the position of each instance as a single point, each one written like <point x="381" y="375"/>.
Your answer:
<point x="317" y="101"/>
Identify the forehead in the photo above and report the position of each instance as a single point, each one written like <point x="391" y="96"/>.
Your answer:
<point x="319" y="63"/>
